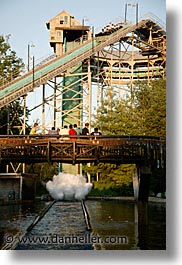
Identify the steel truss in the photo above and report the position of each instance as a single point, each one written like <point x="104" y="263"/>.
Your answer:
<point x="110" y="72"/>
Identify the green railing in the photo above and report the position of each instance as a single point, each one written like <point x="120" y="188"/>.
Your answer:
<point x="40" y="75"/>
<point x="42" y="71"/>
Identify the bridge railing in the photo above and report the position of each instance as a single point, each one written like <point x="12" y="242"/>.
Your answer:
<point x="85" y="137"/>
<point x="82" y="149"/>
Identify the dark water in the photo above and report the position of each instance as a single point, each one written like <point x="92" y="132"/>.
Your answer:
<point x="119" y="225"/>
<point x="15" y="219"/>
<point x="140" y="227"/>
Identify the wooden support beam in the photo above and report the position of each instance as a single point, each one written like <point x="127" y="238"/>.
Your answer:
<point x="135" y="183"/>
<point x="145" y="173"/>
<point x="49" y="152"/>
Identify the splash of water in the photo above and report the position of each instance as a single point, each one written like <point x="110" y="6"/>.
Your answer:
<point x="68" y="187"/>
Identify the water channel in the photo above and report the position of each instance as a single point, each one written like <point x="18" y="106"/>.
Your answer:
<point x="115" y="225"/>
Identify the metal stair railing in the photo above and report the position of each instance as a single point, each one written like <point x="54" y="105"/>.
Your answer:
<point x="41" y="62"/>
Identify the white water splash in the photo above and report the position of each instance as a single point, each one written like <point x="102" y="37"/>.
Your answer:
<point x="68" y="187"/>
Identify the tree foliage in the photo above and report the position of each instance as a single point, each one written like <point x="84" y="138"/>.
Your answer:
<point x="11" y="116"/>
<point x="45" y="170"/>
<point x="12" y="119"/>
<point x="142" y="114"/>
<point x="112" y="175"/>
<point x="151" y="107"/>
<point x="11" y="66"/>
<point x="145" y="115"/>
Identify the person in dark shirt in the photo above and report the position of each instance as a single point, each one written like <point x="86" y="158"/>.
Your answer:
<point x="95" y="139"/>
<point x="96" y="132"/>
<point x="85" y="130"/>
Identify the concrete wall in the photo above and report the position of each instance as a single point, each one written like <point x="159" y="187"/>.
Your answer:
<point x="16" y="186"/>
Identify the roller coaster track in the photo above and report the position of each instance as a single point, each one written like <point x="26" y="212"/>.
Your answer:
<point x="41" y="74"/>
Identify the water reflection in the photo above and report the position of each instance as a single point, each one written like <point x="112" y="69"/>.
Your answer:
<point x="144" y="226"/>
<point x="16" y="218"/>
<point x="61" y="228"/>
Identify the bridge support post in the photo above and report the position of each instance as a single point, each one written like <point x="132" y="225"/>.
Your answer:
<point x="48" y="155"/>
<point x="143" y="232"/>
<point x="135" y="183"/>
<point x="145" y="173"/>
<point x="74" y="152"/>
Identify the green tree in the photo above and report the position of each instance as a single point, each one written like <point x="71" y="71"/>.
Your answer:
<point x="145" y="115"/>
<point x="12" y="119"/>
<point x="151" y="107"/>
<point x="112" y="173"/>
<point x="44" y="172"/>
<point x="113" y="121"/>
<point x="11" y="116"/>
<point x="11" y="66"/>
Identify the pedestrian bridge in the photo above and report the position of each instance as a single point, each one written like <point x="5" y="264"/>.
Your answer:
<point x="141" y="150"/>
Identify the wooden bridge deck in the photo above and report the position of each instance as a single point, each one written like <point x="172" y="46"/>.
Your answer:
<point x="108" y="149"/>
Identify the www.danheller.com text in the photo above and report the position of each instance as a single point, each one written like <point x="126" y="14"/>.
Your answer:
<point x="71" y="239"/>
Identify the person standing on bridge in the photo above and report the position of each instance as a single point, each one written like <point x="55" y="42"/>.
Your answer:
<point x="78" y="130"/>
<point x="52" y="131"/>
<point x="64" y="131"/>
<point x="96" y="132"/>
<point x="85" y="130"/>
<point x="34" y="128"/>
<point x="72" y="132"/>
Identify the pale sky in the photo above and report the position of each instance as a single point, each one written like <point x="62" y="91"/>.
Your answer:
<point x="26" y="20"/>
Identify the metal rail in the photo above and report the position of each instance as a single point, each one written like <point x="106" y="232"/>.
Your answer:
<point x="15" y="242"/>
<point x="86" y="216"/>
<point x="40" y="216"/>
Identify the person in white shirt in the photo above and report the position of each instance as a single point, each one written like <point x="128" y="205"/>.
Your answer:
<point x="64" y="131"/>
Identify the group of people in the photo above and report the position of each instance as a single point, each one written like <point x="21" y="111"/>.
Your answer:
<point x="110" y="28"/>
<point x="72" y="130"/>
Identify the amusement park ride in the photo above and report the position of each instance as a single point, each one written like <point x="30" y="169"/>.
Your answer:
<point x="106" y="63"/>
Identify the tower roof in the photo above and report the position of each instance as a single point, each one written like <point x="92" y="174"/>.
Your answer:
<point x="62" y="14"/>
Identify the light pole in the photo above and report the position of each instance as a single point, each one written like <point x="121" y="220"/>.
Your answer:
<point x="33" y="73"/>
<point x="85" y="19"/>
<point x="30" y="45"/>
<point x="83" y="24"/>
<point x="7" y="37"/>
<point x="125" y="12"/>
<point x="132" y="5"/>
<point x="137" y="13"/>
